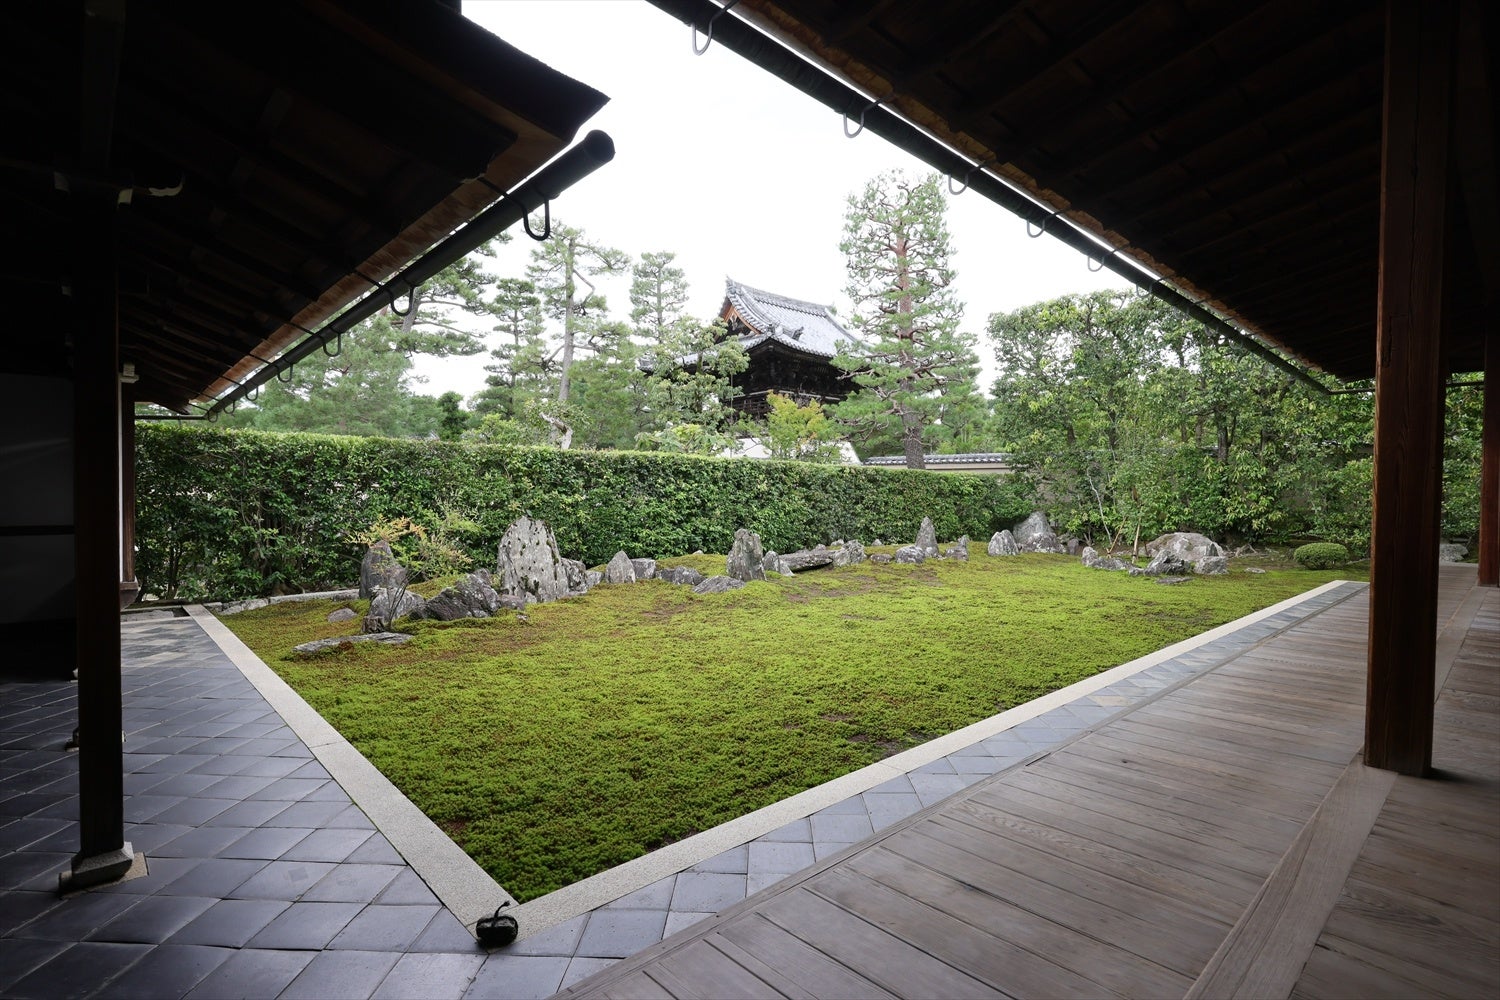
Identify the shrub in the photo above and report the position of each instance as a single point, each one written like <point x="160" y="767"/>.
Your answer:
<point x="233" y="513"/>
<point x="1321" y="555"/>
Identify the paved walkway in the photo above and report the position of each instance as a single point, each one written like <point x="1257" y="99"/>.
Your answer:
<point x="265" y="879"/>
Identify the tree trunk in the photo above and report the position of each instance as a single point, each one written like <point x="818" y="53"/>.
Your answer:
<point x="911" y="440"/>
<point x="567" y="351"/>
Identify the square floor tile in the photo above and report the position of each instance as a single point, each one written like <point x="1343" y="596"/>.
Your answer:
<point x="420" y="977"/>
<point x="736" y="860"/>
<point x="656" y="896"/>
<point x="707" y="892"/>
<point x="282" y="880"/>
<point x="349" y="883"/>
<point x="248" y="814"/>
<point x="77" y="971"/>
<point x="796" y="830"/>
<point x="617" y="933"/>
<point x="252" y="973"/>
<point x="306" y="925"/>
<point x="561" y="939"/>
<point x="407" y="889"/>
<point x="581" y="968"/>
<point x="268" y="843"/>
<point x="230" y="923"/>
<point x="769" y="857"/>
<point x="18" y="956"/>
<point x="215" y="878"/>
<point x="445" y="933"/>
<point x="205" y="842"/>
<point x="384" y="928"/>
<point x="152" y="920"/>
<point x="518" y="977"/>
<point x="75" y="918"/>
<point x="167" y="971"/>
<point x="847" y="827"/>
<point x="341" y="975"/>
<point x="327" y="845"/>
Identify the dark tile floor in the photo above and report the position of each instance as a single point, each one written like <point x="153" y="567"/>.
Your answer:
<point x="265" y="880"/>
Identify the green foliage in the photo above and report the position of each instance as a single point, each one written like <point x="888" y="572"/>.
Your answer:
<point x="1320" y="555"/>
<point x="1341" y="508"/>
<point x="606" y="726"/>
<point x="234" y="513"/>
<point x="425" y="554"/>
<point x="800" y="431"/>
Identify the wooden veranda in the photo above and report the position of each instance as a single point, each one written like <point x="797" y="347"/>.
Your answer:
<point x="1224" y="839"/>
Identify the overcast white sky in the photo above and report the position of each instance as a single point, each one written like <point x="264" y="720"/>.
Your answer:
<point x="737" y="173"/>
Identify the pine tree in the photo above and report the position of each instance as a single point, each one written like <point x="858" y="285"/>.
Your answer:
<point x="910" y="352"/>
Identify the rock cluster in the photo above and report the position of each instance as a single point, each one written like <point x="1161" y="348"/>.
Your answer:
<point x="1182" y="552"/>
<point x="1093" y="560"/>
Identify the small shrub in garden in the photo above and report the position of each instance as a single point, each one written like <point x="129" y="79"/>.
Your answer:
<point x="1321" y="555"/>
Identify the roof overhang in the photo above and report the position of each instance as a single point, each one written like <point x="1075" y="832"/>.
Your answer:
<point x="272" y="164"/>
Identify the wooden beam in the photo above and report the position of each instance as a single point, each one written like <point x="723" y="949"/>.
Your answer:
<point x="1489" y="468"/>
<point x="1409" y="370"/>
<point x="130" y="587"/>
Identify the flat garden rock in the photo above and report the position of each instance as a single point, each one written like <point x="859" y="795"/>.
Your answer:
<point x="773" y="563"/>
<point x="1211" y="566"/>
<point x="805" y="559"/>
<point x="238" y="606"/>
<point x="343" y="615"/>
<point x="718" y="585"/>
<point x="851" y="553"/>
<point x="645" y="569"/>
<point x="684" y="576"/>
<point x="880" y="558"/>
<point x="472" y="596"/>
<point x="318" y="645"/>
<point x="910" y="554"/>
<point x="958" y="551"/>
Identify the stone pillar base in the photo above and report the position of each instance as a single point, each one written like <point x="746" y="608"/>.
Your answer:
<point x="96" y="869"/>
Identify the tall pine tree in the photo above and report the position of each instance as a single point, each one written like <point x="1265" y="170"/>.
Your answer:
<point x="910" y="353"/>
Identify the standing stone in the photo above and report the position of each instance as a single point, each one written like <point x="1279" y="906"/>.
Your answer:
<point x="745" y="557"/>
<point x="1003" y="543"/>
<point x="578" y="576"/>
<point x="528" y="564"/>
<point x="910" y="554"/>
<point x="927" y="539"/>
<point x="593" y="578"/>
<point x="852" y="554"/>
<point x="380" y="569"/>
<point x="620" y="569"/>
<point x="684" y="576"/>
<point x="645" y="569"/>
<point x="1035" y="534"/>
<point x="1089" y="556"/>
<point x="386" y="606"/>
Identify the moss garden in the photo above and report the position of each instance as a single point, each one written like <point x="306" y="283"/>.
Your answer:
<point x="559" y="742"/>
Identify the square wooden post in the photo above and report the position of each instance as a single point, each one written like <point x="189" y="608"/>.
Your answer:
<point x="1489" y="469"/>
<point x="1409" y="373"/>
<point x="103" y="852"/>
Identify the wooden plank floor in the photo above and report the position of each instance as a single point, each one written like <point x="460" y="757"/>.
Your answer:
<point x="1215" y="841"/>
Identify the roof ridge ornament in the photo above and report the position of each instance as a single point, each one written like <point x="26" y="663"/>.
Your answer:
<point x="710" y="39"/>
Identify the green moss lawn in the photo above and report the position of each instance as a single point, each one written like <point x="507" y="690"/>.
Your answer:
<point x="588" y="731"/>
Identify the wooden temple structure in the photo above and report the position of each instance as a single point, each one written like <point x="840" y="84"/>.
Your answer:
<point x="790" y="345"/>
<point x="195" y="198"/>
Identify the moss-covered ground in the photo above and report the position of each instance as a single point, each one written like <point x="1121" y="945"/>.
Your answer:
<point x="554" y="744"/>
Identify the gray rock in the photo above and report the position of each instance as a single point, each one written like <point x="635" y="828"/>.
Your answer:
<point x="1089" y="556"/>
<point x="1035" y="534"/>
<point x="927" y="539"/>
<point x="773" y="563"/>
<point x="620" y="569"/>
<point x="1452" y="553"/>
<point x="472" y="596"/>
<point x="380" y="569"/>
<point x="683" y="576"/>
<point x="745" y="555"/>
<point x="1188" y="546"/>
<point x="237" y="606"/>
<point x="1211" y="566"/>
<point x="1168" y="581"/>
<point x="880" y="558"/>
<point x="645" y="569"/>
<point x="719" y="584"/>
<point x="877" y="542"/>
<point x="318" y="645"/>
<point x="388" y="606"/>
<point x="1003" y="543"/>
<point x="593" y="578"/>
<point x="527" y="563"/>
<point x="511" y="602"/>
<point x="1253" y="569"/>
<point x="958" y="551"/>
<point x="910" y="554"/>
<point x="343" y="615"/>
<point x="851" y="553"/>
<point x="804" y="559"/>
<point x="577" y="575"/>
<point x="1168" y="563"/>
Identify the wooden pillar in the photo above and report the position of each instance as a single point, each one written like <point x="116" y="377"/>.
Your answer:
<point x="130" y="587"/>
<point x="1489" y="469"/>
<point x="103" y="851"/>
<point x="1409" y="374"/>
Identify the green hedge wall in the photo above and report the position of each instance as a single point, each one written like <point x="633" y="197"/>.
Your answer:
<point x="225" y="514"/>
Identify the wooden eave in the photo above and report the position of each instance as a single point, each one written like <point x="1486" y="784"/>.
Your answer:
<point x="317" y="145"/>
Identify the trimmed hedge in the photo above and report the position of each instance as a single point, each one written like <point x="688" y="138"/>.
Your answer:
<point x="224" y="513"/>
<point x="1320" y="555"/>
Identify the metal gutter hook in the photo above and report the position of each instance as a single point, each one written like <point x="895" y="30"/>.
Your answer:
<point x="546" y="223"/>
<point x="334" y="354"/>
<point x="410" y="300"/>
<point x="851" y="135"/>
<point x="290" y="374"/>
<point x="958" y="191"/>
<point x="710" y="39"/>
<point x="1043" y="228"/>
